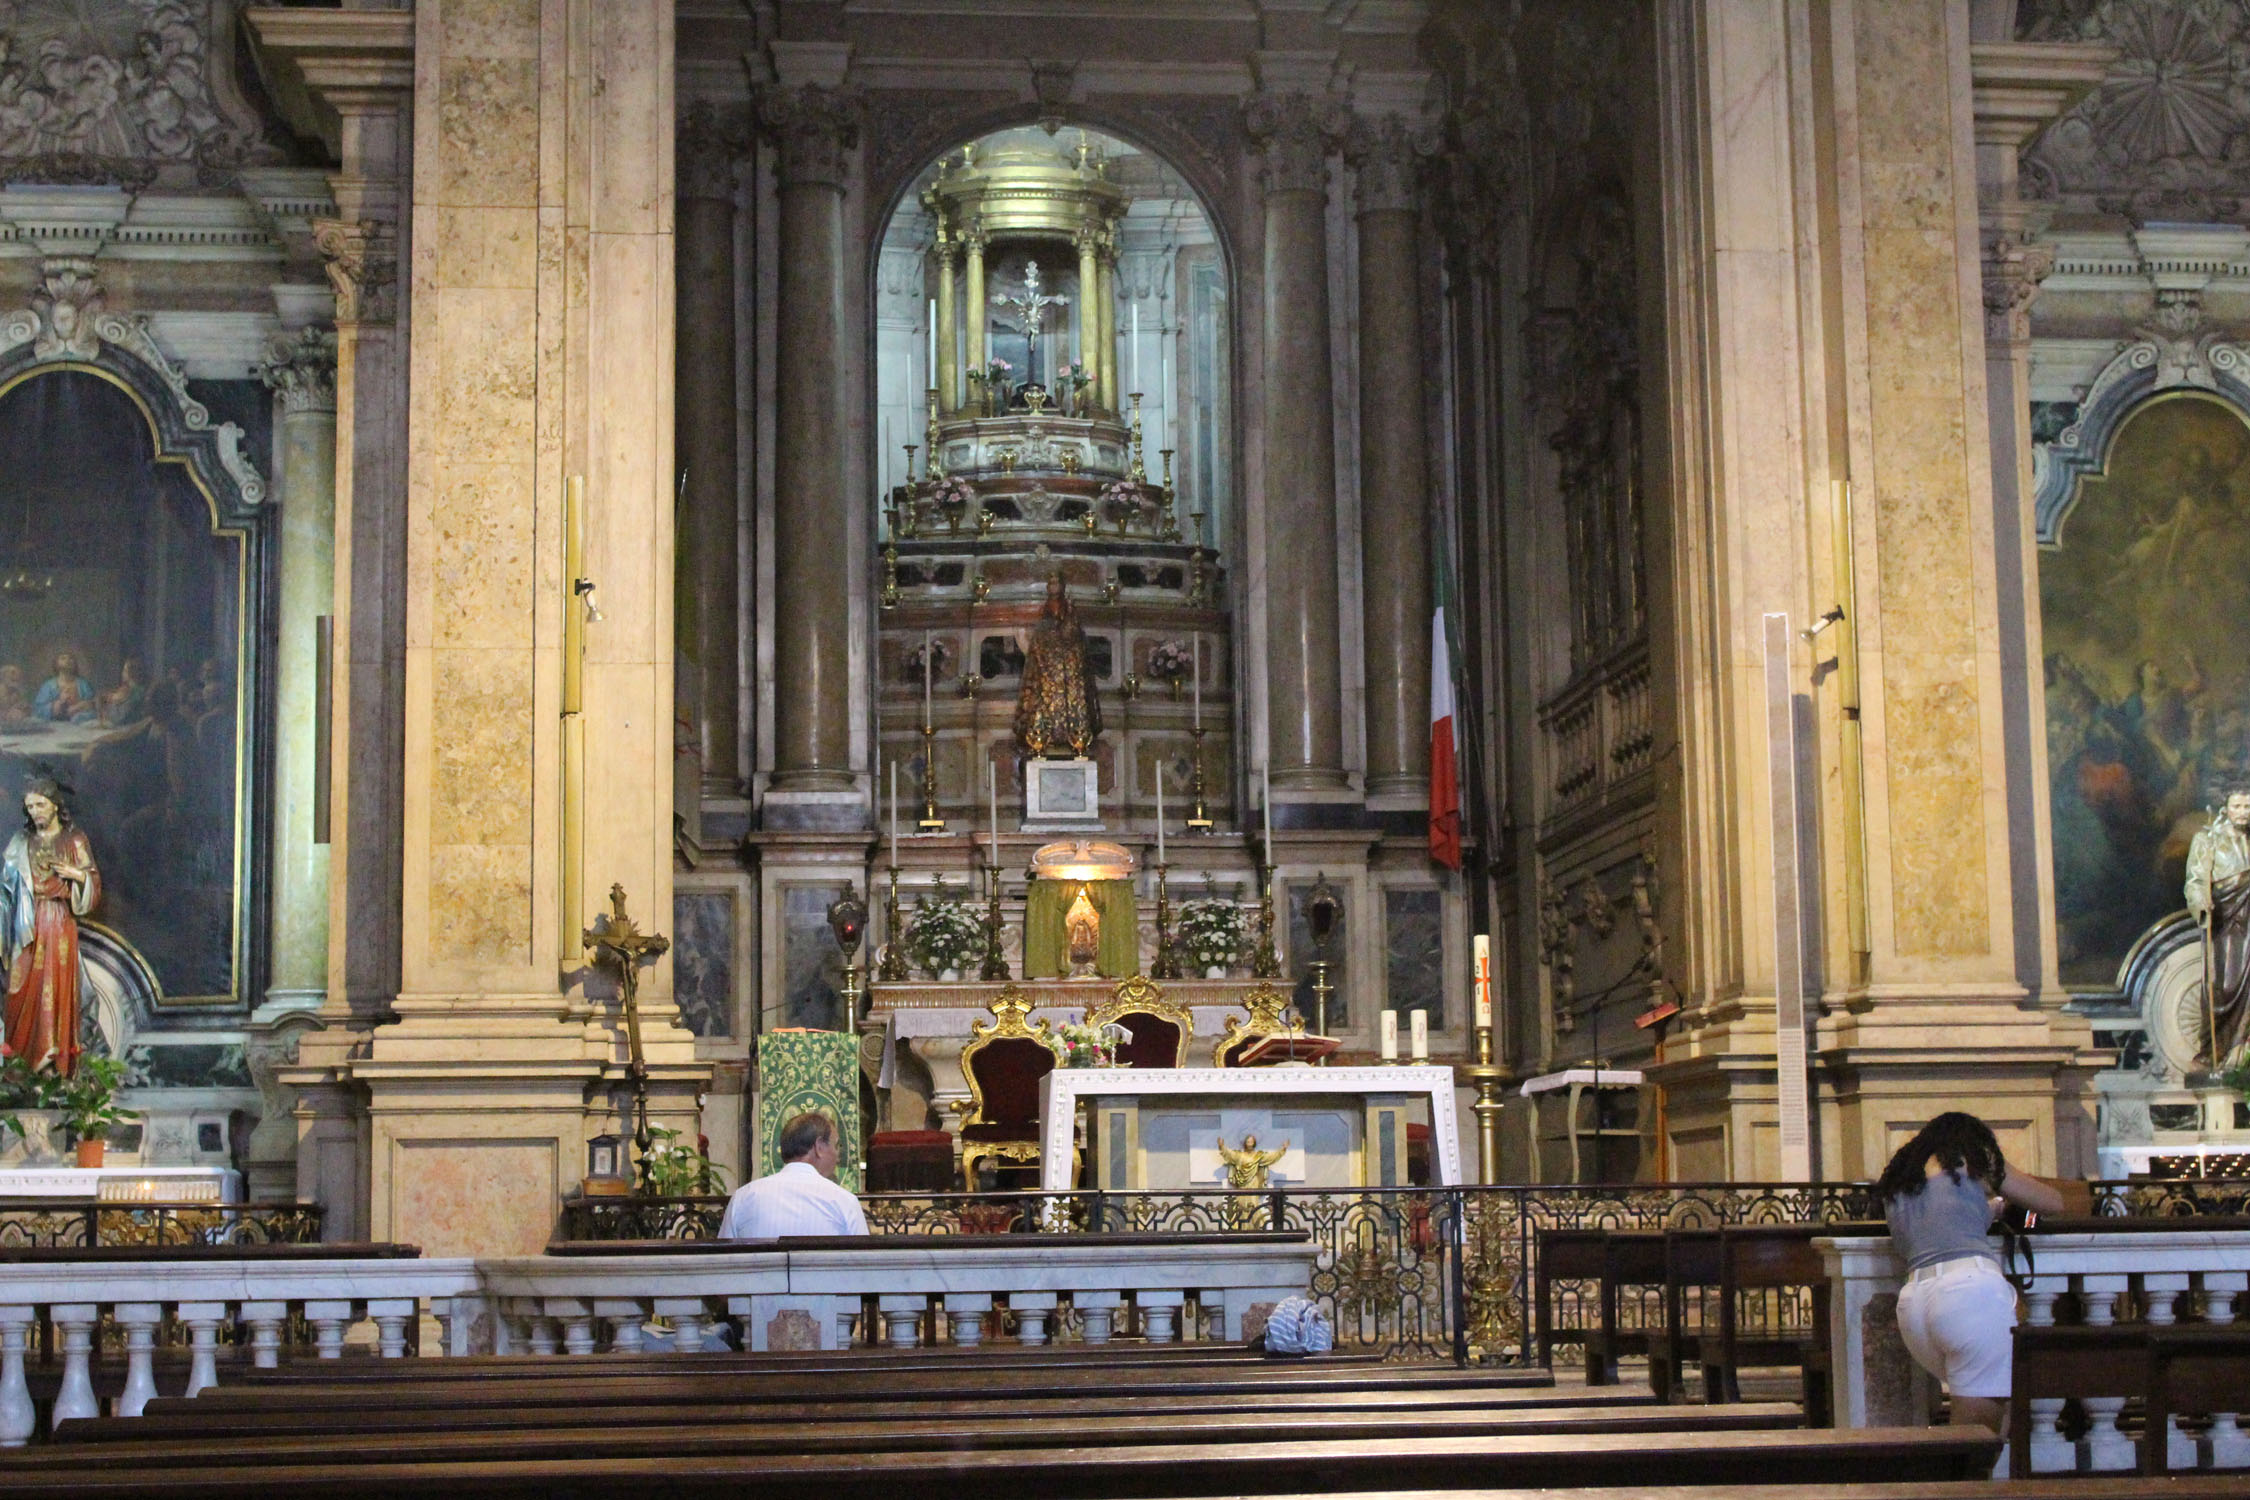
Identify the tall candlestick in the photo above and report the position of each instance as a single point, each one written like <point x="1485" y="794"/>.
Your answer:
<point x="1482" y="955"/>
<point x="1390" y="1035"/>
<point x="933" y="343"/>
<point x="894" y="814"/>
<point x="1160" y="814"/>
<point x="1136" y="346"/>
<point x="925" y="679"/>
<point x="992" y="787"/>
<point x="1421" y="1034"/>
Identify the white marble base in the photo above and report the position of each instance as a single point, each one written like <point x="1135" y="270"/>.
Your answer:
<point x="124" y="1184"/>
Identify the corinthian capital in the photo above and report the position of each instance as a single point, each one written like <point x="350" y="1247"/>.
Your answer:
<point x="710" y="146"/>
<point x="1295" y="132"/>
<point x="301" y="367"/>
<point x="1387" y="155"/>
<point x="362" y="257"/>
<point x="814" y="128"/>
<point x="2012" y="273"/>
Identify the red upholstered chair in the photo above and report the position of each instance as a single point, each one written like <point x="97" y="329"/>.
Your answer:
<point x="910" y="1161"/>
<point x="1417" y="1155"/>
<point x="1266" y="1003"/>
<point x="1004" y="1062"/>
<point x="1161" y="1028"/>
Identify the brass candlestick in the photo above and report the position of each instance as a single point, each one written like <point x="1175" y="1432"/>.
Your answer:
<point x="1198" y="818"/>
<point x="892" y="969"/>
<point x="1321" y="990"/>
<point x="931" y="822"/>
<point x="847" y="919"/>
<point x="910" y="447"/>
<point x="1265" y="961"/>
<point x="995" y="963"/>
<point x="1140" y="469"/>
<point x="1489" y="1079"/>
<point x="1167" y="964"/>
<point x="931" y="468"/>
<point x="1171" y="500"/>
<point x="890" y="561"/>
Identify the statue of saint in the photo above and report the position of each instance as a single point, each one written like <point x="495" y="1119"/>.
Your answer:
<point x="48" y="880"/>
<point x="1082" y="925"/>
<point x="1058" y="714"/>
<point x="2218" y="896"/>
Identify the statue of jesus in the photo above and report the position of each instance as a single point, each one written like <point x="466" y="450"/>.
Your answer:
<point x="1057" y="714"/>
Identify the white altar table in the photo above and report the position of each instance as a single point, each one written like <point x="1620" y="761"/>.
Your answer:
<point x="124" y="1184"/>
<point x="1119" y="1098"/>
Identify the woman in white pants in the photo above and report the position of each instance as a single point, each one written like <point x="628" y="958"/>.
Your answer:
<point x="1957" y="1312"/>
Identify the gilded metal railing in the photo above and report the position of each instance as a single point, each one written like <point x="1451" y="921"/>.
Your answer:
<point x="86" y="1224"/>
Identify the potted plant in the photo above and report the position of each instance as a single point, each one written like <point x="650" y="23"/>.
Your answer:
<point x="1079" y="1045"/>
<point x="944" y="935"/>
<point x="1211" y="934"/>
<point x="89" y="1102"/>
<point x="676" y="1170"/>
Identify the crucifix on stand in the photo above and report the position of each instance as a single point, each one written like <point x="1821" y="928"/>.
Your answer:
<point x="1032" y="308"/>
<point x="622" y="950"/>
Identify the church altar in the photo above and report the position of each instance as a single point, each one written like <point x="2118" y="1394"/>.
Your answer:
<point x="1161" y="1128"/>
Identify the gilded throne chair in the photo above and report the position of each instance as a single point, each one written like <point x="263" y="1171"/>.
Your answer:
<point x="1161" y="1029"/>
<point x="1003" y="1064"/>
<point x="1267" y="1004"/>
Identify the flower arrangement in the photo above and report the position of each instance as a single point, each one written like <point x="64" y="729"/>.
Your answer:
<point x="941" y="659"/>
<point x="950" y="491"/>
<point x="944" y="934"/>
<point x="1075" y="375"/>
<point x="1124" y="492"/>
<point x="1211" y="932"/>
<point x="676" y="1170"/>
<point x="1171" y="660"/>
<point x="1079" y="1045"/>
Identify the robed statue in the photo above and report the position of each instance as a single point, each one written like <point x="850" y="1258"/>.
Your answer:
<point x="48" y="880"/>
<point x="1058" y="714"/>
<point x="2218" y="897"/>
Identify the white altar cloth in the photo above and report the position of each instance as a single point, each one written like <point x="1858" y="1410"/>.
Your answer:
<point x="1065" y="1087"/>
<point x="124" y="1184"/>
<point x="907" y="1025"/>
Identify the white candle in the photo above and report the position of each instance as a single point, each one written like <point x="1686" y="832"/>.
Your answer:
<point x="1421" y="1037"/>
<point x="1482" y="954"/>
<point x="932" y="381"/>
<point x="1390" y="1036"/>
<point x="894" y="814"/>
<point x="1195" y="655"/>
<point x="886" y="458"/>
<point x="1266" y="774"/>
<point x="1160" y="812"/>
<point x="926" y="679"/>
<point x="992" y="786"/>
<point x="1136" y="346"/>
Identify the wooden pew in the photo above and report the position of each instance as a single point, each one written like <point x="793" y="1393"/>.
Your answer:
<point x="1632" y="1257"/>
<point x="2068" y="1361"/>
<point x="1563" y="1255"/>
<point x="2200" y="1369"/>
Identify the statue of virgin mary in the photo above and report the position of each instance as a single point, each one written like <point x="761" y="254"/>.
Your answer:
<point x="48" y="880"/>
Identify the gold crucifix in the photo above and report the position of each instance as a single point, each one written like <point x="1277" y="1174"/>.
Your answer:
<point x="621" y="949"/>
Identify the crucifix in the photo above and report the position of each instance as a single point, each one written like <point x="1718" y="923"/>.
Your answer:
<point x="621" y="949"/>
<point x="1032" y="308"/>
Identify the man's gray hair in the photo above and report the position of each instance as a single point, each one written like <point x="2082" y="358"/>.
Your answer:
<point x="803" y="1132"/>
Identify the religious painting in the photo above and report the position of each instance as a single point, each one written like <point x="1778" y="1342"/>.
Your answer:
<point x="122" y="669"/>
<point x="2144" y="605"/>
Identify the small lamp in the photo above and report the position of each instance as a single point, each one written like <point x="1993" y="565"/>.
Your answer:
<point x="605" y="1167"/>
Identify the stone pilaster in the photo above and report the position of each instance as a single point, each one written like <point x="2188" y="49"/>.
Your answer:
<point x="1393" y="459"/>
<point x="710" y="151"/>
<point x="814" y="129"/>
<point x="300" y="369"/>
<point x="1304" y="715"/>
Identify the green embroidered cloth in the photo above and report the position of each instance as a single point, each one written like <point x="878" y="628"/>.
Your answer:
<point x="801" y="1071"/>
<point x="1045" y="955"/>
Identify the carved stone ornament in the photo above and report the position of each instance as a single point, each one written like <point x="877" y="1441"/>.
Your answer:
<point x="1295" y="132"/>
<point x="67" y="302"/>
<point x="301" y="367"/>
<point x="118" y="92"/>
<point x="815" y="129"/>
<point x="711" y="148"/>
<point x="2012" y="274"/>
<point x="362" y="263"/>
<point x="1387" y="156"/>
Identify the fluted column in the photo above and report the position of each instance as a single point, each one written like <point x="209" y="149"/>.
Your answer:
<point x="814" y="128"/>
<point x="947" y="376"/>
<point x="1089" y="242"/>
<point x="1303" y="693"/>
<point x="972" y="246"/>
<point x="300" y="369"/>
<point x="1393" y="463"/>
<point x="709" y="150"/>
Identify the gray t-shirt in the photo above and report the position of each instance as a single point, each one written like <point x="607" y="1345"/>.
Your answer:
<point x="1949" y="1217"/>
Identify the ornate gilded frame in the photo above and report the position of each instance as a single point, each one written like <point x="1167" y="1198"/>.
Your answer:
<point x="1266" y="1004"/>
<point x="1145" y="995"/>
<point x="1011" y="1010"/>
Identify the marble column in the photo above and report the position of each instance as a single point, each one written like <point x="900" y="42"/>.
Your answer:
<point x="815" y="129"/>
<point x="1393" y="463"/>
<point x="947" y="376"/>
<point x="300" y="369"/>
<point x="972" y="299"/>
<point x="709" y="151"/>
<point x="1304" y="719"/>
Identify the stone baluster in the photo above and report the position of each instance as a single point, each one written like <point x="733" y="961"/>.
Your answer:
<point x="2098" y="1295"/>
<point x="542" y="1333"/>
<point x="1160" y="1315"/>
<point x="687" y="1316"/>
<point x="139" y="1320"/>
<point x="202" y="1320"/>
<point x="2163" y="1291"/>
<point x="18" y="1417"/>
<point x="1304" y="713"/>
<point x="902" y="1318"/>
<point x="625" y="1315"/>
<point x="577" y="1320"/>
<point x="329" y="1319"/>
<point x="710" y="149"/>
<point x="1097" y="1314"/>
<point x="2106" y="1447"/>
<point x="2050" y="1451"/>
<point x="264" y="1320"/>
<point x="847" y="1316"/>
<point x="1032" y="1311"/>
<point x="75" y="1398"/>
<point x="391" y="1315"/>
<point x="2230" y="1445"/>
<point x="965" y="1314"/>
<point x="1393" y="459"/>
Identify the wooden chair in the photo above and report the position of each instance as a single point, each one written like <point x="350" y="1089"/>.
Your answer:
<point x="1004" y="1062"/>
<point x="1565" y="1255"/>
<point x="1161" y="1028"/>
<point x="1266" y="1003"/>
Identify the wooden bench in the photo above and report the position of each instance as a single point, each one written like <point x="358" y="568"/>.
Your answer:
<point x="1564" y="1255"/>
<point x="1630" y="1258"/>
<point x="2202" y="1369"/>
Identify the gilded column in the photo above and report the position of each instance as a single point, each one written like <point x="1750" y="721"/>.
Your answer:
<point x="1088" y="241"/>
<point x="1304" y="696"/>
<point x="1105" y="309"/>
<point x="815" y="128"/>
<point x="300" y="369"/>
<point x="972" y="245"/>
<point x="709" y="150"/>
<point x="1393" y="462"/>
<point x="947" y="376"/>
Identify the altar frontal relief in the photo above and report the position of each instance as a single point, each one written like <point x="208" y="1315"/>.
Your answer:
<point x="2145" y="604"/>
<point x="120" y="610"/>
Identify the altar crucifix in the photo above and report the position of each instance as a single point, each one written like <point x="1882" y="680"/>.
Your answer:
<point x="621" y="949"/>
<point x="1032" y="308"/>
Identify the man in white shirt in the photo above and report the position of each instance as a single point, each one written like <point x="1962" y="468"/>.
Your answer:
<point x="800" y="1199"/>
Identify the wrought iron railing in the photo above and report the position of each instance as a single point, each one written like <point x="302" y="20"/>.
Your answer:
<point x="85" y="1224"/>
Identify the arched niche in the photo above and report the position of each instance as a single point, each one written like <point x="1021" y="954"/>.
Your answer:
<point x="134" y="537"/>
<point x="2148" y="695"/>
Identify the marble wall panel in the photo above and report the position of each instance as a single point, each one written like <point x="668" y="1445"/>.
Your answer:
<point x="474" y="1197"/>
<point x="1298" y="954"/>
<point x="1414" y="954"/>
<point x="488" y="130"/>
<point x="478" y="543"/>
<point x="812" y="964"/>
<point x="480" y="903"/>
<point x="703" y="960"/>
<point x="480" y="784"/>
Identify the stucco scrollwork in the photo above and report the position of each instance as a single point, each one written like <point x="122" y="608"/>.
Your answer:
<point x="361" y="256"/>
<point x="2157" y="359"/>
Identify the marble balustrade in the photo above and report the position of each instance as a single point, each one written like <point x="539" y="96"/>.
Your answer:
<point x="2176" y="1276"/>
<point x="583" y="1304"/>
